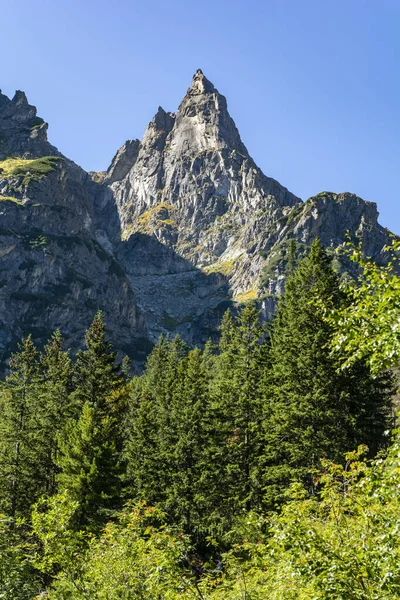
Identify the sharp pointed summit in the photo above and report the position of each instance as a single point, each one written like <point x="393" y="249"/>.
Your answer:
<point x="21" y="100"/>
<point x="200" y="84"/>
<point x="203" y="122"/>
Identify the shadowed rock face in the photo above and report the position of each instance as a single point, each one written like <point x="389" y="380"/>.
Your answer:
<point x="54" y="273"/>
<point x="22" y="132"/>
<point x="181" y="226"/>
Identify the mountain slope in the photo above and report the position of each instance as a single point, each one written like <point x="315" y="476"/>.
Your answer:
<point x="53" y="271"/>
<point x="194" y="212"/>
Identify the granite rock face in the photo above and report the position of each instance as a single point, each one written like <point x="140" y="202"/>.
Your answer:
<point x="195" y="191"/>
<point x="53" y="271"/>
<point x="334" y="219"/>
<point x="181" y="226"/>
<point x="215" y="220"/>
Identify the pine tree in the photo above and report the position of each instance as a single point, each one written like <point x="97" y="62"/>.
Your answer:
<point x="96" y="372"/>
<point x="238" y="409"/>
<point x="90" y="459"/>
<point x="149" y="436"/>
<point x="89" y="466"/>
<point x="20" y="440"/>
<point x="190" y="496"/>
<point x="54" y="404"/>
<point x="314" y="410"/>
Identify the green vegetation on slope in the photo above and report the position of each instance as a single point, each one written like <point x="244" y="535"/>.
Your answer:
<point x="237" y="464"/>
<point x="158" y="216"/>
<point x="9" y="199"/>
<point x="28" y="169"/>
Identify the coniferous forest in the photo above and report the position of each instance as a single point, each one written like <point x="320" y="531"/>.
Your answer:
<point x="264" y="466"/>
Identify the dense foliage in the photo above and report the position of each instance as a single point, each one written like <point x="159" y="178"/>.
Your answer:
<point x="229" y="472"/>
<point x="369" y="325"/>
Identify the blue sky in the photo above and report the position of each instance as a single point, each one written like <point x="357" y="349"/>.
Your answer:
<point x="312" y="85"/>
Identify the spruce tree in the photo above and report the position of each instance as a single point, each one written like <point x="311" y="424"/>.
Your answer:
<point x="21" y="453"/>
<point x="54" y="404"/>
<point x="313" y="410"/>
<point x="96" y="372"/>
<point x="238" y="410"/>
<point x="149" y="436"/>
<point x="190" y="497"/>
<point x="90" y="466"/>
<point x="90" y="459"/>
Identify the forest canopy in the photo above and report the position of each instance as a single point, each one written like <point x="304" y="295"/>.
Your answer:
<point x="263" y="466"/>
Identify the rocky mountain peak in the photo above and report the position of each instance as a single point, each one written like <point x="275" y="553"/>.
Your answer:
<point x="158" y="129"/>
<point x="21" y="100"/>
<point x="22" y="132"/>
<point x="203" y="122"/>
<point x="17" y="110"/>
<point x="200" y="84"/>
<point x="122" y="162"/>
<point x="54" y="272"/>
<point x="3" y="100"/>
<point x="199" y="225"/>
<point x="163" y="120"/>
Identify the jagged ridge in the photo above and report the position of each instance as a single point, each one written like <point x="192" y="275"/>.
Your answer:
<point x="191" y="185"/>
<point x="183" y="221"/>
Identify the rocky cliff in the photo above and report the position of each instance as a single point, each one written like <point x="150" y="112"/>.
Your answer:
<point x="202" y="226"/>
<point x="182" y="225"/>
<point x="53" y="271"/>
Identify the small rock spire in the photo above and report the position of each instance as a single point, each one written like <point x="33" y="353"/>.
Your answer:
<point x="20" y="98"/>
<point x="200" y="84"/>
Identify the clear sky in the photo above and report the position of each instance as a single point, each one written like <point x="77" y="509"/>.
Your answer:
<point x="313" y="85"/>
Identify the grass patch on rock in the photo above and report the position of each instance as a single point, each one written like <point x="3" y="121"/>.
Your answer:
<point x="28" y="169"/>
<point x="156" y="217"/>
<point x="10" y="199"/>
<point x="246" y="296"/>
<point x="224" y="267"/>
